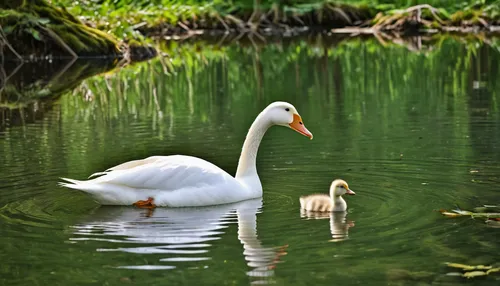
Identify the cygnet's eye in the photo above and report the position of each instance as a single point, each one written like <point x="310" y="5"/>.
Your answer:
<point x="287" y="109"/>
<point x="341" y="187"/>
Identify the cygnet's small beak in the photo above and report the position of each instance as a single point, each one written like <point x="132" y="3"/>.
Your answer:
<point x="298" y="126"/>
<point x="350" y="192"/>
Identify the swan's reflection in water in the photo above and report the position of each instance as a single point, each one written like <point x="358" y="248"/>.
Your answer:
<point x="339" y="225"/>
<point x="181" y="234"/>
<point x="261" y="259"/>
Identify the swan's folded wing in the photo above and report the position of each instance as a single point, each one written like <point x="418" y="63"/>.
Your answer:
<point x="130" y="165"/>
<point x="165" y="173"/>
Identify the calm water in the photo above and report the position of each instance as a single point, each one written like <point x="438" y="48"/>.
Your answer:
<point x="411" y="133"/>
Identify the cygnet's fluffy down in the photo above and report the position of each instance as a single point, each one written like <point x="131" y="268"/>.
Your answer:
<point x="325" y="203"/>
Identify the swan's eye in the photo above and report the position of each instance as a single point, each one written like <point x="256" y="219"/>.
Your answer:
<point x="341" y="187"/>
<point x="287" y="109"/>
<point x="300" y="123"/>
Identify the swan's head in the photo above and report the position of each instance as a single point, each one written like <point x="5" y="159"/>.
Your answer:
<point x="284" y="114"/>
<point x="340" y="188"/>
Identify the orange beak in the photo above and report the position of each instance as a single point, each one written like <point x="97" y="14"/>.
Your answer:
<point x="298" y="126"/>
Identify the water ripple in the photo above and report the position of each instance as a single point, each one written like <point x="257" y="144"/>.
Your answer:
<point x="179" y="235"/>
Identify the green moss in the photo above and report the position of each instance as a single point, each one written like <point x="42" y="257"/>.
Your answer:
<point x="31" y="25"/>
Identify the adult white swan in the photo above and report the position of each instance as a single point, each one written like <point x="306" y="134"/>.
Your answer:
<point x="181" y="181"/>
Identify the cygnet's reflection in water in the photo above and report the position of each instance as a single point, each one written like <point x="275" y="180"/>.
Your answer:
<point x="182" y="234"/>
<point x="339" y="225"/>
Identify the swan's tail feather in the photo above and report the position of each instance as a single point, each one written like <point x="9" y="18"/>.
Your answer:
<point x="97" y="174"/>
<point x="68" y="185"/>
<point x="70" y="181"/>
<point x="77" y="185"/>
<point x="106" y="194"/>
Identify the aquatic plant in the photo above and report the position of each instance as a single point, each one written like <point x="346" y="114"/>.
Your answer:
<point x="490" y="212"/>
<point x="472" y="271"/>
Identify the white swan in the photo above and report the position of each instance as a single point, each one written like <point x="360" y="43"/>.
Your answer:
<point x="181" y="181"/>
<point x="325" y="203"/>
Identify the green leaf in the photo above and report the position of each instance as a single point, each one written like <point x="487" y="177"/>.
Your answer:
<point x="7" y="30"/>
<point x="44" y="21"/>
<point x="493" y="270"/>
<point x="35" y="34"/>
<point x="474" y="274"/>
<point x="468" y="267"/>
<point x="445" y="13"/>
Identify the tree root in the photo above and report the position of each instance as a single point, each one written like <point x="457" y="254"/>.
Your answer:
<point x="240" y="23"/>
<point x="407" y="19"/>
<point x="340" y="12"/>
<point x="58" y="40"/>
<point x="4" y="42"/>
<point x="276" y="21"/>
<point x="222" y="22"/>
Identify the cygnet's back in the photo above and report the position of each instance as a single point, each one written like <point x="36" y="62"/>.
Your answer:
<point x="316" y="203"/>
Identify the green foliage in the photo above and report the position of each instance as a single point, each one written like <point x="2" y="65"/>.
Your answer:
<point x="123" y="17"/>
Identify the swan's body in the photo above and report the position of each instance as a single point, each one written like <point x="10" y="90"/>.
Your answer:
<point x="179" y="181"/>
<point x="328" y="203"/>
<point x="171" y="180"/>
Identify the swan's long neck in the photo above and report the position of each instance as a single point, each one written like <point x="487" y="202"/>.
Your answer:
<point x="247" y="163"/>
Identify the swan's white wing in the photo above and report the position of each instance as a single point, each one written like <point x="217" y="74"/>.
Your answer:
<point x="165" y="173"/>
<point x="173" y="181"/>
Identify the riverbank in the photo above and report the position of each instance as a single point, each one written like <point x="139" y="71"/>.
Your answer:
<point x="335" y="18"/>
<point x="261" y="19"/>
<point x="35" y="29"/>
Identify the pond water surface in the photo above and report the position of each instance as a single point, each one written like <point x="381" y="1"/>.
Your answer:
<point x="412" y="133"/>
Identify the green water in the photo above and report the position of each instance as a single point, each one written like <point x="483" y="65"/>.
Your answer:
<point x="410" y="132"/>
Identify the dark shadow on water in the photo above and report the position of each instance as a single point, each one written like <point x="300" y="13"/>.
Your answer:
<point x="28" y="90"/>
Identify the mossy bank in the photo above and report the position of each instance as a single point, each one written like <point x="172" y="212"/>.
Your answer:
<point x="34" y="29"/>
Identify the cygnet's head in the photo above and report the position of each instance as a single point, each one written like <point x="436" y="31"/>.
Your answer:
<point x="340" y="187"/>
<point x="284" y="114"/>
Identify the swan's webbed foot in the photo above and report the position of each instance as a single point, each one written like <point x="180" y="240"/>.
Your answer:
<point x="147" y="204"/>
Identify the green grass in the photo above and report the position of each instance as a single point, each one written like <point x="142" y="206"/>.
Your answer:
<point x="122" y="18"/>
